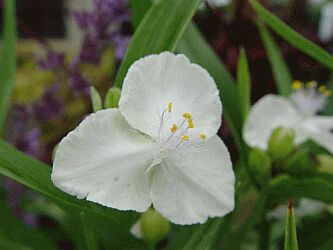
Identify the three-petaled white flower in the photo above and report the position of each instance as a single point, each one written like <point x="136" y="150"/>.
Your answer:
<point x="159" y="148"/>
<point x="297" y="112"/>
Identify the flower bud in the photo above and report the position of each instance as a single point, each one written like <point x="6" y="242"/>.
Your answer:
<point x="112" y="98"/>
<point x="281" y="143"/>
<point x="300" y="164"/>
<point x="325" y="163"/>
<point x="260" y="165"/>
<point x="154" y="227"/>
<point x="95" y="99"/>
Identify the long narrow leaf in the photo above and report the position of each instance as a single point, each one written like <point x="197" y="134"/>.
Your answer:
<point x="160" y="30"/>
<point x="243" y="84"/>
<point x="89" y="237"/>
<point x="280" y="69"/>
<point x="7" y="60"/>
<point x="290" y="237"/>
<point x="291" y="36"/>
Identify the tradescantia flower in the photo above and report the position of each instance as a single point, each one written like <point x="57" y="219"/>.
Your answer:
<point x="160" y="148"/>
<point x="297" y="112"/>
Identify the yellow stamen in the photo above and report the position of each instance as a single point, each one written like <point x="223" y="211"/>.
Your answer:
<point x="173" y="128"/>
<point x="169" y="106"/>
<point x="187" y="116"/>
<point x="297" y="85"/>
<point x="311" y="84"/>
<point x="190" y="123"/>
<point x="202" y="136"/>
<point x="322" y="89"/>
<point x="327" y="93"/>
<point x="185" y="137"/>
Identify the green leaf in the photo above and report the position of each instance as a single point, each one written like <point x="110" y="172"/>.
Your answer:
<point x="284" y="187"/>
<point x="7" y="60"/>
<point x="37" y="176"/>
<point x="160" y="30"/>
<point x="15" y="231"/>
<point x="281" y="73"/>
<point x="89" y="237"/>
<point x="290" y="238"/>
<point x="196" y="237"/>
<point x="138" y="10"/>
<point x="112" y="98"/>
<point x="95" y="99"/>
<point x="243" y="84"/>
<point x="291" y="36"/>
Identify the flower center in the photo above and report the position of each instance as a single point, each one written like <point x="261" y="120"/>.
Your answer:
<point x="174" y="133"/>
<point x="309" y="98"/>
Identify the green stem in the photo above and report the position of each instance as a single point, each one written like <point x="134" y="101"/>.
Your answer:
<point x="264" y="231"/>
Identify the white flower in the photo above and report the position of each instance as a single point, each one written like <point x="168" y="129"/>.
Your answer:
<point x="325" y="29"/>
<point x="297" y="112"/>
<point x="159" y="148"/>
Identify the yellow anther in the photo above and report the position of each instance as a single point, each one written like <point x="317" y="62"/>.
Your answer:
<point x="190" y="123"/>
<point x="169" y="106"/>
<point x="311" y="84"/>
<point x="322" y="89"/>
<point x="185" y="137"/>
<point x="173" y="128"/>
<point x="187" y="116"/>
<point x="202" y="136"/>
<point x="297" y="85"/>
<point x="327" y="93"/>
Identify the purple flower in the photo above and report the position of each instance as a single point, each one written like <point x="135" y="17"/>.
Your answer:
<point x="90" y="52"/>
<point x="50" y="105"/>
<point x="53" y="60"/>
<point x="79" y="84"/>
<point x="121" y="44"/>
<point x="29" y="142"/>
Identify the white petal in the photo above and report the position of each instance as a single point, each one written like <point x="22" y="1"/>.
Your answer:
<point x="105" y="160"/>
<point x="319" y="129"/>
<point x="154" y="81"/>
<point x="195" y="185"/>
<point x="136" y="230"/>
<point x="268" y="113"/>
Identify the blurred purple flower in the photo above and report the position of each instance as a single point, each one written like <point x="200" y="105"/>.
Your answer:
<point x="29" y="142"/>
<point x="50" y="105"/>
<point x="79" y="84"/>
<point x="53" y="60"/>
<point x="21" y="114"/>
<point x="121" y="44"/>
<point x="89" y="52"/>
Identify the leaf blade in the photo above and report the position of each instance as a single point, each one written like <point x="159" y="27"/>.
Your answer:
<point x="290" y="240"/>
<point x="7" y="60"/>
<point x="291" y="36"/>
<point x="281" y="73"/>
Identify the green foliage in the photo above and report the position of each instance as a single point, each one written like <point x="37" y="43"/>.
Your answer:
<point x="160" y="30"/>
<point x="95" y="99"/>
<point x="291" y="36"/>
<point x="260" y="165"/>
<point x="280" y="69"/>
<point x="88" y="235"/>
<point x="7" y="60"/>
<point x="243" y="84"/>
<point x="112" y="98"/>
<point x="281" y="143"/>
<point x="300" y="164"/>
<point x="290" y="241"/>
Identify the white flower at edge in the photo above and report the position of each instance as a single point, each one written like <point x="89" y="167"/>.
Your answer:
<point x="297" y="112"/>
<point x="325" y="29"/>
<point x="160" y="148"/>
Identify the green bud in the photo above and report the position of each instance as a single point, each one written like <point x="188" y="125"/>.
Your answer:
<point x="281" y="143"/>
<point x="95" y="99"/>
<point x="260" y="165"/>
<point x="325" y="163"/>
<point x="154" y="227"/>
<point x="112" y="98"/>
<point x="300" y="164"/>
